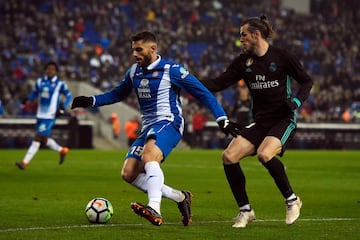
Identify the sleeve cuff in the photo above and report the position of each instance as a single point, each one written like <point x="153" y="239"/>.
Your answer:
<point x="296" y="101"/>
<point x="221" y="118"/>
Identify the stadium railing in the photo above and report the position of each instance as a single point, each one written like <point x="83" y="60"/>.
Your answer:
<point x="308" y="136"/>
<point x="18" y="132"/>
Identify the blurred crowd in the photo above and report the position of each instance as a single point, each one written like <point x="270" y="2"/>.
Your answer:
<point x="90" y="41"/>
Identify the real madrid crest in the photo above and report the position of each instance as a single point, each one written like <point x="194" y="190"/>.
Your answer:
<point x="249" y="61"/>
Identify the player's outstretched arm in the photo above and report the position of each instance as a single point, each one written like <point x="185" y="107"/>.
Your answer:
<point x="82" y="101"/>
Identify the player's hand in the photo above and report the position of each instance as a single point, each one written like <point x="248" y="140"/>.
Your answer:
<point x="60" y="111"/>
<point x="229" y="127"/>
<point x="25" y="101"/>
<point x="82" y="101"/>
<point x="293" y="103"/>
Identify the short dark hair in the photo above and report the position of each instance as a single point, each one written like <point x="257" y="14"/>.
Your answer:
<point x="53" y="64"/>
<point x="259" y="23"/>
<point x="146" y="36"/>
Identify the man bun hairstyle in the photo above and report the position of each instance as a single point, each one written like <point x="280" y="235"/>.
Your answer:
<point x="261" y="24"/>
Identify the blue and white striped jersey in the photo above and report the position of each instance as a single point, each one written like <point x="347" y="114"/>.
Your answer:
<point x="158" y="91"/>
<point x="48" y="92"/>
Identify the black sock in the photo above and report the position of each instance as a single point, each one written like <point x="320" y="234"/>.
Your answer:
<point x="277" y="171"/>
<point x="236" y="180"/>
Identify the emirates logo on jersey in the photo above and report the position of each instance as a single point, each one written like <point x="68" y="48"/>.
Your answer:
<point x="263" y="83"/>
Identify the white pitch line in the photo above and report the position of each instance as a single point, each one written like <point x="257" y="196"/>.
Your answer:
<point x="168" y="223"/>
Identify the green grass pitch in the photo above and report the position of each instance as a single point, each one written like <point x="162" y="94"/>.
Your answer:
<point x="47" y="201"/>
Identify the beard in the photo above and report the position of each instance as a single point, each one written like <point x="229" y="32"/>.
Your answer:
<point x="146" y="61"/>
<point x="250" y="49"/>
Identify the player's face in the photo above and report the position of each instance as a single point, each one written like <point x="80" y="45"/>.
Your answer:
<point x="50" y="71"/>
<point x="143" y="52"/>
<point x="247" y="39"/>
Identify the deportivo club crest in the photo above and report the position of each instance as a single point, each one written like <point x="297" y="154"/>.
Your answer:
<point x="249" y="61"/>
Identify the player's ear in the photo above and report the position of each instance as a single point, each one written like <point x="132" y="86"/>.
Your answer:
<point x="257" y="34"/>
<point x="153" y="48"/>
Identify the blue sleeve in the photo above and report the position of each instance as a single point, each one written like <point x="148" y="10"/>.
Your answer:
<point x="117" y="94"/>
<point x="68" y="95"/>
<point x="181" y="77"/>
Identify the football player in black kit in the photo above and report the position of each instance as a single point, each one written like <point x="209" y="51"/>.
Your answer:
<point x="267" y="72"/>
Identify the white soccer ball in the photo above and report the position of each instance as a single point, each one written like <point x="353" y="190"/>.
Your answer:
<point x="99" y="210"/>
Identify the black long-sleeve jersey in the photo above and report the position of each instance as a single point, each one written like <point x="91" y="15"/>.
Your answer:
<point x="269" y="80"/>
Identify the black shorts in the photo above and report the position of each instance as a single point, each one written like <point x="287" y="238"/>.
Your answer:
<point x="283" y="129"/>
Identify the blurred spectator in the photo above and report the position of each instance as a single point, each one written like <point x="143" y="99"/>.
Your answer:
<point x="78" y="34"/>
<point x="355" y="111"/>
<point x="198" y="125"/>
<point x="2" y="112"/>
<point x="242" y="109"/>
<point x="106" y="57"/>
<point x="346" y="115"/>
<point x="115" y="123"/>
<point x="132" y="129"/>
<point x="28" y="108"/>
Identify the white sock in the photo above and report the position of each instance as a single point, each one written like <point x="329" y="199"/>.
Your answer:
<point x="53" y="145"/>
<point x="140" y="182"/>
<point x="246" y="207"/>
<point x="34" y="147"/>
<point x="154" y="183"/>
<point x="292" y="197"/>
<point x="167" y="191"/>
<point x="172" y="193"/>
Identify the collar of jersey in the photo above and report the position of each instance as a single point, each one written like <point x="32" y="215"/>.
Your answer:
<point x="53" y="79"/>
<point x="154" y="64"/>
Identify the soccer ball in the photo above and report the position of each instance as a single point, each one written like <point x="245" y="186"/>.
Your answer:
<point x="99" y="210"/>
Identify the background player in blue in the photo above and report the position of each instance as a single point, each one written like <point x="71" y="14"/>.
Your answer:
<point x="2" y="112"/>
<point x="267" y="72"/>
<point x="157" y="85"/>
<point x="47" y="91"/>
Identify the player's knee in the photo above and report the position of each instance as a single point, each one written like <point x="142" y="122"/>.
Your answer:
<point x="127" y="176"/>
<point x="228" y="157"/>
<point x="41" y="139"/>
<point x="264" y="156"/>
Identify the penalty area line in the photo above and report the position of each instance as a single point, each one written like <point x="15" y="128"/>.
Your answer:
<point x="168" y="223"/>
